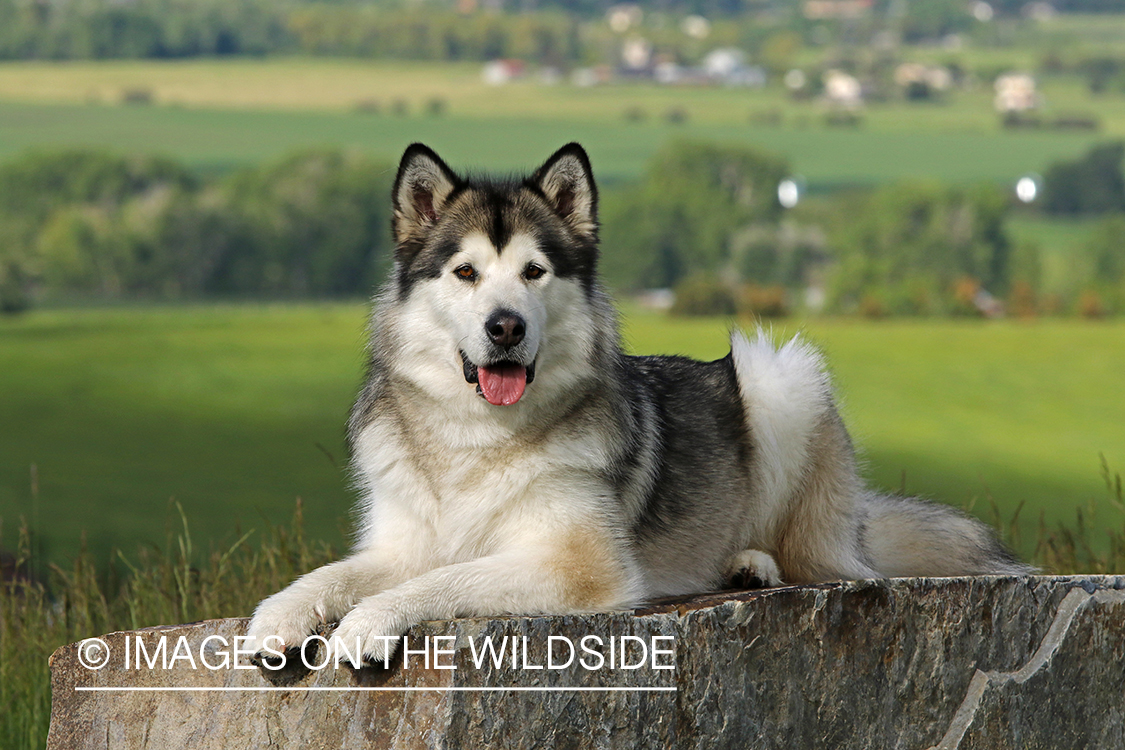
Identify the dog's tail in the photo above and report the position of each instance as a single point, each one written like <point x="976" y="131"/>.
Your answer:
<point x="907" y="537"/>
<point x="815" y="511"/>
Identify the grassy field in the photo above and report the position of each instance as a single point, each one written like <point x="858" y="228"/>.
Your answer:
<point x="232" y="411"/>
<point x="218" y="140"/>
<point x="221" y="114"/>
<point x="340" y="85"/>
<point x="237" y="410"/>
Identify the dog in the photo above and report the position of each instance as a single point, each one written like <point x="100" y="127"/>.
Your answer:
<point x="511" y="459"/>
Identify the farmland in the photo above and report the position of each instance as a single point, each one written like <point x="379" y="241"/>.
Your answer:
<point x="217" y="115"/>
<point x="237" y="410"/>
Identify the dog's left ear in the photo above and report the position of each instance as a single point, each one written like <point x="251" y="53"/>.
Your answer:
<point x="568" y="183"/>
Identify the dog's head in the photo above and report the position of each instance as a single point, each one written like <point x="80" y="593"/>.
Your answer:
<point x="488" y="272"/>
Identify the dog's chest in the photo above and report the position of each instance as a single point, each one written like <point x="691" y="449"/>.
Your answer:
<point x="453" y="501"/>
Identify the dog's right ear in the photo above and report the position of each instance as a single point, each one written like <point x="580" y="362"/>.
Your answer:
<point x="422" y="188"/>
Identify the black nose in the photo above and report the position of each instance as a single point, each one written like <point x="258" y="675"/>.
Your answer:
<point x="505" y="328"/>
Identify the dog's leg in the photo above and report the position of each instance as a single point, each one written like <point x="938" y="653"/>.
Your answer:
<point x="753" y="569"/>
<point x="322" y="596"/>
<point x="581" y="574"/>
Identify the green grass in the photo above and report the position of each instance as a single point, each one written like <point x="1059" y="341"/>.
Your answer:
<point x="231" y="410"/>
<point x="158" y="585"/>
<point x="218" y="140"/>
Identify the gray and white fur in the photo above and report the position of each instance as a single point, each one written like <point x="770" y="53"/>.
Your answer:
<point x="512" y="459"/>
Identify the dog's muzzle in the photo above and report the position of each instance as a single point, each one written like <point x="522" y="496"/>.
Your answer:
<point x="501" y="383"/>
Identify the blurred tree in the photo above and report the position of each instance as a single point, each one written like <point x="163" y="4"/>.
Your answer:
<point x="316" y="223"/>
<point x="91" y="223"/>
<point x="908" y="245"/>
<point x="680" y="219"/>
<point x="1093" y="184"/>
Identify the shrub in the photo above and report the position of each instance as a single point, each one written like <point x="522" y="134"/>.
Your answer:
<point x="676" y="115"/>
<point x="1090" y="305"/>
<point x="872" y="306"/>
<point x="703" y="295"/>
<point x="1021" y="300"/>
<point x="763" y="301"/>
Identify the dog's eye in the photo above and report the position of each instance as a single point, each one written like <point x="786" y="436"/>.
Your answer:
<point x="533" y="272"/>
<point x="466" y="272"/>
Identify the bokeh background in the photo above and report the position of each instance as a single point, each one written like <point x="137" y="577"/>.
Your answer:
<point x="194" y="209"/>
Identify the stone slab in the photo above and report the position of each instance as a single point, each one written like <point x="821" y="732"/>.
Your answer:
<point x="1033" y="662"/>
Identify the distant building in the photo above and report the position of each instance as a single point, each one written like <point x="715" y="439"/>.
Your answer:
<point x="697" y="27"/>
<point x="668" y="72"/>
<point x="499" y="72"/>
<point x="822" y="10"/>
<point x="842" y="89"/>
<point x="656" y="299"/>
<point x="636" y="54"/>
<point x="1015" y="92"/>
<point x="623" y="17"/>
<point x="922" y="82"/>
<point x="935" y="77"/>
<point x="727" y="65"/>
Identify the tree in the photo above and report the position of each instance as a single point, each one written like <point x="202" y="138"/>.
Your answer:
<point x="1093" y="184"/>
<point x="680" y="219"/>
<point x="907" y="245"/>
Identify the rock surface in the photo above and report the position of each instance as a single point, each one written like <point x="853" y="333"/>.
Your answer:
<point x="912" y="663"/>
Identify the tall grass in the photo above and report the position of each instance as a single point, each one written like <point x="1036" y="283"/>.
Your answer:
<point x="1076" y="548"/>
<point x="175" y="583"/>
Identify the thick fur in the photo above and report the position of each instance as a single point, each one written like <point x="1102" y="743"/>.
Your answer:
<point x="614" y="479"/>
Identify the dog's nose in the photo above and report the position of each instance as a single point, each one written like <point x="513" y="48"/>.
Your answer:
<point x="505" y="328"/>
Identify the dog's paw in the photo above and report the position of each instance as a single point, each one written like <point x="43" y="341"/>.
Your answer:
<point x="281" y="623"/>
<point x="753" y="569"/>
<point x="368" y="635"/>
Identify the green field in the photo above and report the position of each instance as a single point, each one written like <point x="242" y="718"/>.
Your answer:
<point x="235" y="411"/>
<point x="216" y="115"/>
<point x="218" y="140"/>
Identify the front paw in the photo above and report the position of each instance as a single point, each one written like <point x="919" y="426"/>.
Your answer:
<point x="368" y="635"/>
<point x="281" y="623"/>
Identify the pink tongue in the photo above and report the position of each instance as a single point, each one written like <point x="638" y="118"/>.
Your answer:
<point x="502" y="385"/>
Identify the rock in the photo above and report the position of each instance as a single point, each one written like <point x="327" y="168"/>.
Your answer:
<point x="910" y="663"/>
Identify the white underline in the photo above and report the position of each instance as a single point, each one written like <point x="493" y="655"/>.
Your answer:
<point x="315" y="689"/>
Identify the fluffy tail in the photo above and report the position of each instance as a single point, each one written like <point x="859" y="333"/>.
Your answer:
<point x="811" y="507"/>
<point x="907" y="537"/>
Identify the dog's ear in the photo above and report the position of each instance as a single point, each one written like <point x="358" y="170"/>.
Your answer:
<point x="422" y="187"/>
<point x="568" y="183"/>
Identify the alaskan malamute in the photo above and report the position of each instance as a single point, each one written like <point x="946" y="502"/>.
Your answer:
<point x="511" y="459"/>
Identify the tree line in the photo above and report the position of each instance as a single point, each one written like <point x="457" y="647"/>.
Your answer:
<point x="544" y="31"/>
<point x="703" y="219"/>
<point x="94" y="224"/>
